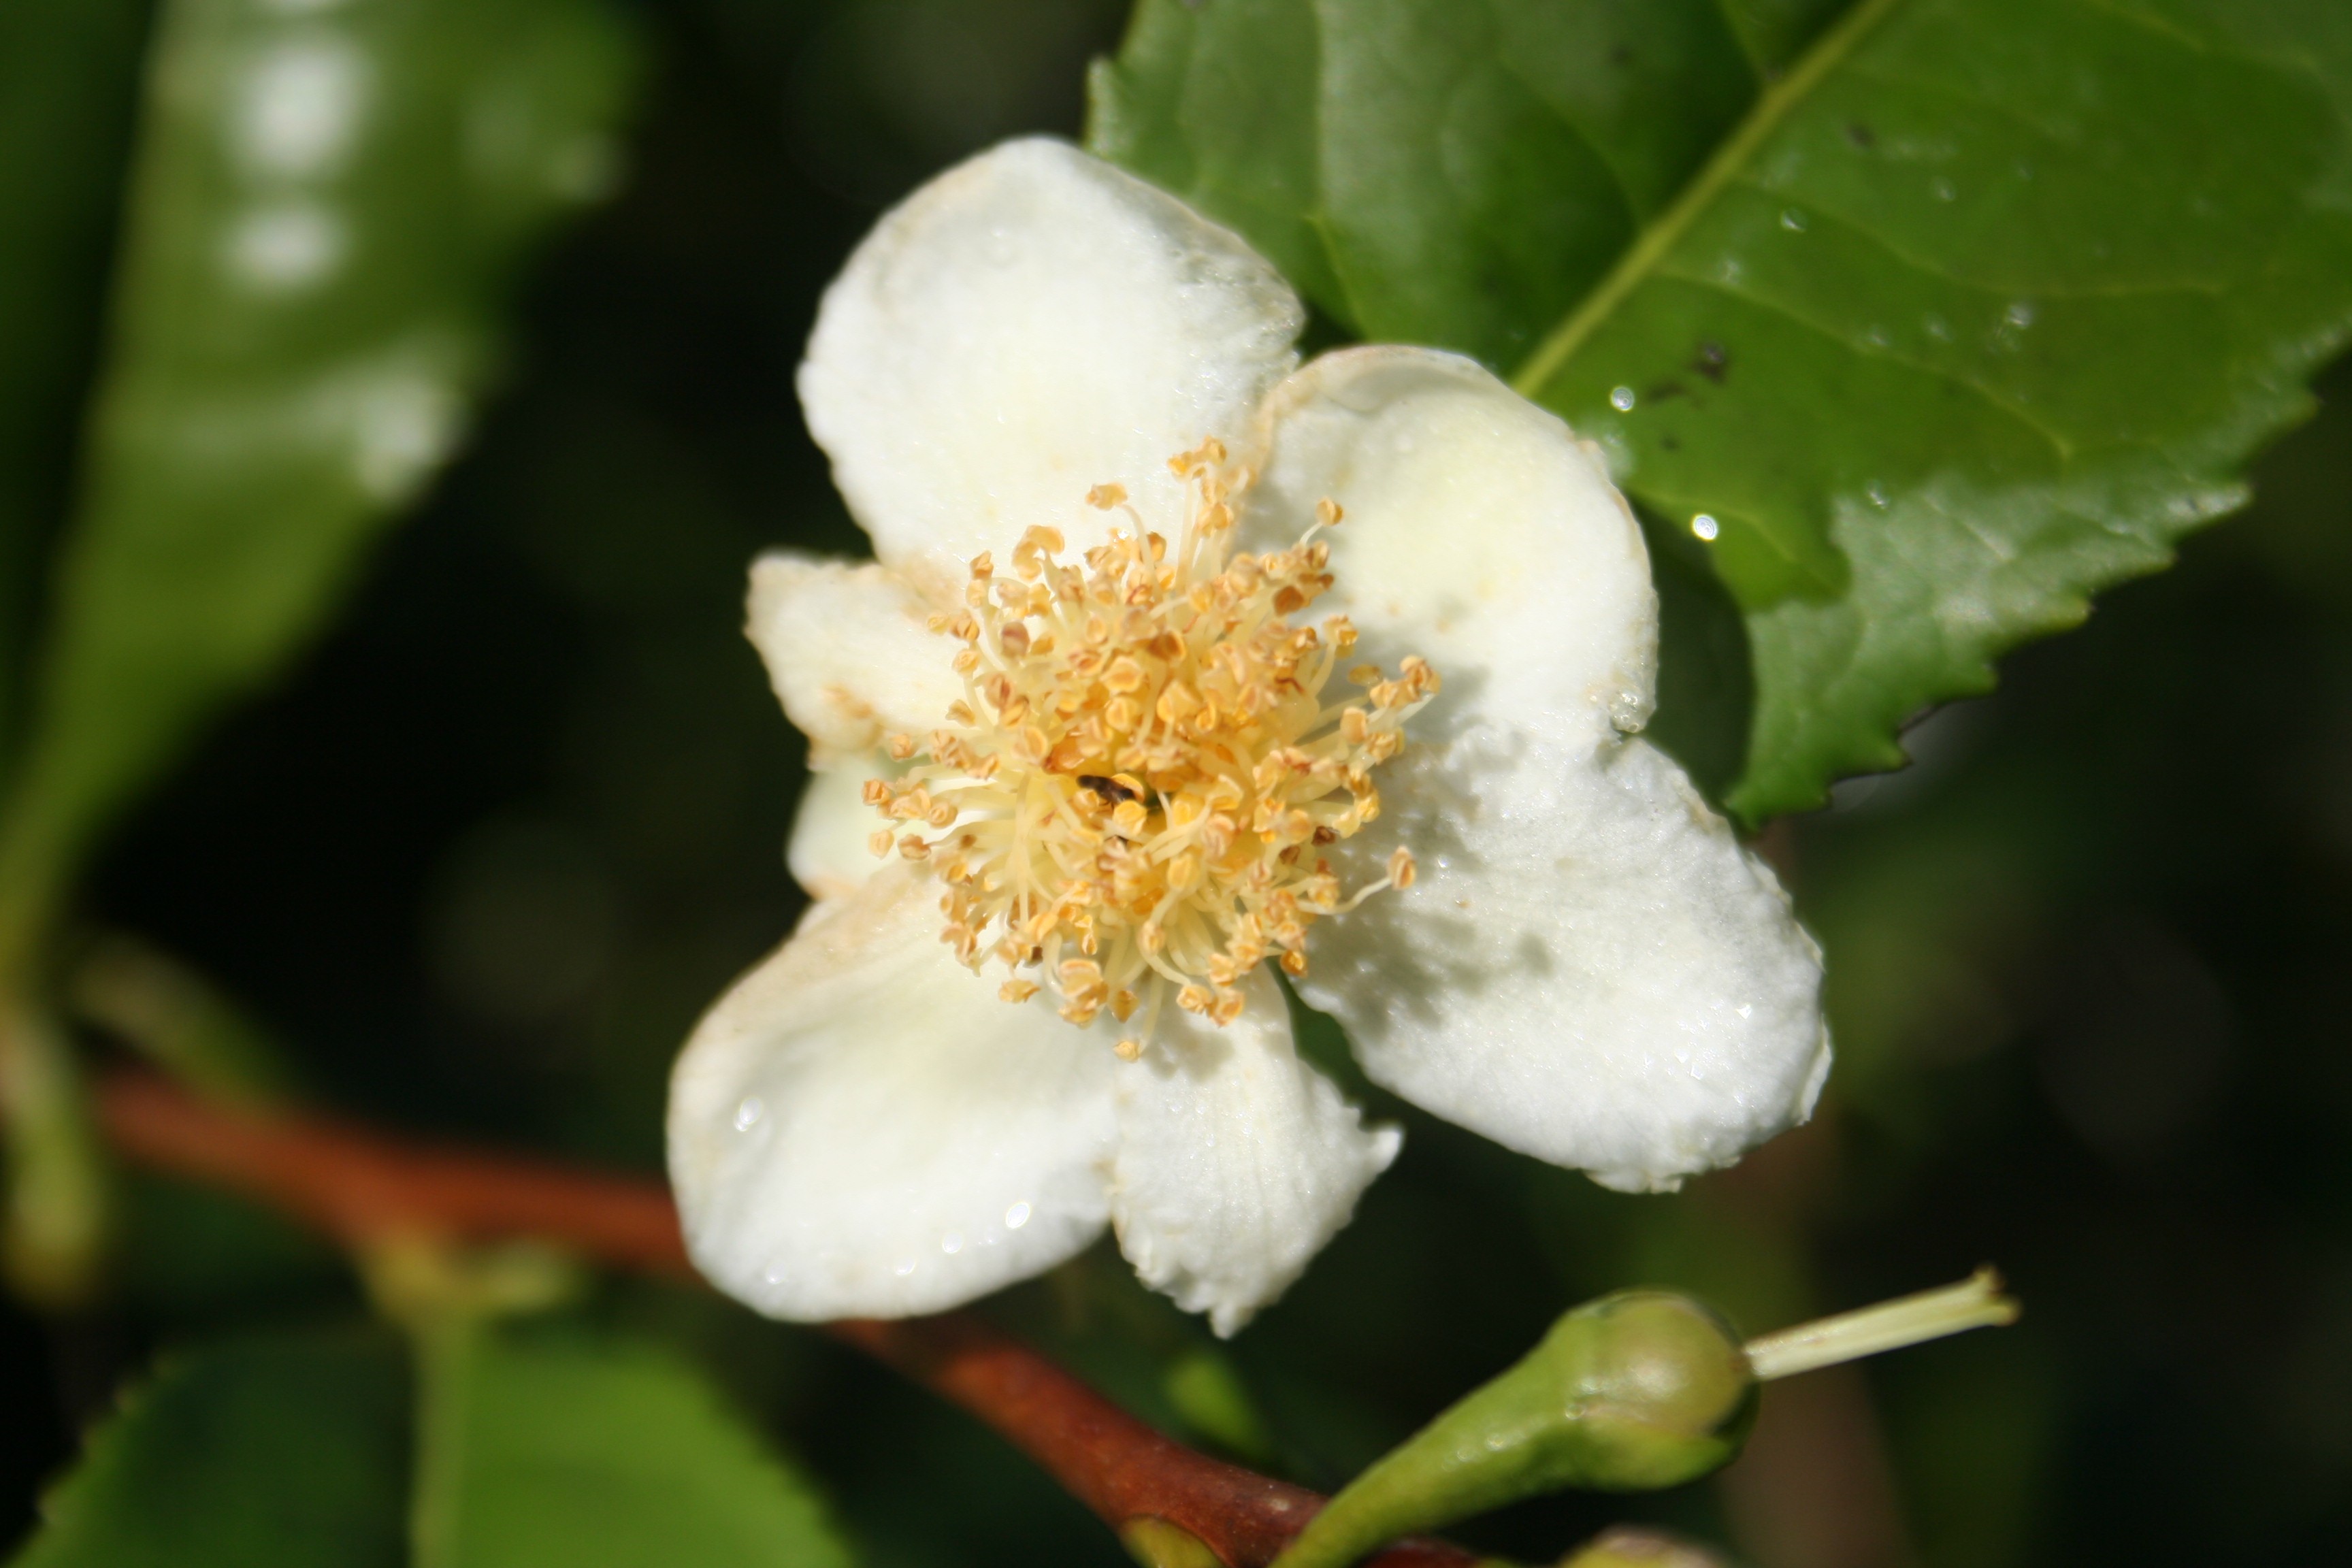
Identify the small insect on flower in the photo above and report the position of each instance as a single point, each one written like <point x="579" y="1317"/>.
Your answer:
<point x="1182" y="667"/>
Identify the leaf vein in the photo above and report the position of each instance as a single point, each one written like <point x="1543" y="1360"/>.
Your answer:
<point x="2060" y="444"/>
<point x="2148" y="290"/>
<point x="2170" y="32"/>
<point x="1651" y="246"/>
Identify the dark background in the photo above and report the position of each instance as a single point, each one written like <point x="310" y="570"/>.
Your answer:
<point x="479" y="862"/>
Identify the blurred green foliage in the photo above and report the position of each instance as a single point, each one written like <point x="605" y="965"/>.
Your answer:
<point x="323" y="213"/>
<point x="68" y="69"/>
<point x="502" y="833"/>
<point x="286" y="1450"/>
<point x="542" y="1453"/>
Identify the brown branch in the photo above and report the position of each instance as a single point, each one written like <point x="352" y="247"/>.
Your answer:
<point x="362" y="1188"/>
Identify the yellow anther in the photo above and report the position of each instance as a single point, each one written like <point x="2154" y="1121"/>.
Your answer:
<point x="1178" y="702"/>
<point x="1144" y="760"/>
<point x="1327" y="512"/>
<point x="879" y="842"/>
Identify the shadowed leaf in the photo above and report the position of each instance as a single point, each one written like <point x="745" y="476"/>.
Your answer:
<point x="287" y="1451"/>
<point x="327" y="206"/>
<point x="539" y="1452"/>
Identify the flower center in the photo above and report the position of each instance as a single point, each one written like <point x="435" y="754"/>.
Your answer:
<point x="1130" y="797"/>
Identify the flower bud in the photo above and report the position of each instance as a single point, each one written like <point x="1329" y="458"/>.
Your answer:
<point x="1636" y="1390"/>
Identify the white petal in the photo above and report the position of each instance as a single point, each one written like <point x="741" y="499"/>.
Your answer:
<point x="1237" y="1160"/>
<point x="861" y="1129"/>
<point x="1589" y="969"/>
<point x="1479" y="533"/>
<point x="847" y="651"/>
<point x="828" y="854"/>
<point x="1032" y="323"/>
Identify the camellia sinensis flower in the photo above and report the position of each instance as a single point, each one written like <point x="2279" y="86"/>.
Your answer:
<point x="1179" y="665"/>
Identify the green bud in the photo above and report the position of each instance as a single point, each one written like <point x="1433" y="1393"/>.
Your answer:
<point x="1637" y="1390"/>
<point x="1156" y="1543"/>
<point x="428" y="1284"/>
<point x="1635" y="1546"/>
<point x="1215" y="1403"/>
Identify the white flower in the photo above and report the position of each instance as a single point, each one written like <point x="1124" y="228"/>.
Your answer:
<point x="1566" y="951"/>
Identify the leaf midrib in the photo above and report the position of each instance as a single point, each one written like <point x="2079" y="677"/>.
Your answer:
<point x="1650" y="247"/>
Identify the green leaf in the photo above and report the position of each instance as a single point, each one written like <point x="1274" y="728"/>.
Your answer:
<point x="327" y="211"/>
<point x="537" y="1451"/>
<point x="1208" y="102"/>
<point x="289" y="1451"/>
<point x="1970" y="309"/>
<point x="68" y="76"/>
<point x="1435" y="171"/>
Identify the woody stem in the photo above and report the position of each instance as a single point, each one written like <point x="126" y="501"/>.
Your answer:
<point x="364" y="1188"/>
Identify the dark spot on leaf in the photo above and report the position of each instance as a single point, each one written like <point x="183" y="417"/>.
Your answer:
<point x="1620" y="55"/>
<point x="1666" y="389"/>
<point x="1861" y="136"/>
<point x="1713" y="361"/>
<point x="1671" y="443"/>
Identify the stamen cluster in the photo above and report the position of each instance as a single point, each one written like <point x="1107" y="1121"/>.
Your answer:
<point x="1128" y="800"/>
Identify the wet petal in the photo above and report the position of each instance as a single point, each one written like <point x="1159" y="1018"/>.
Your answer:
<point x="861" y="1129"/>
<point x="1236" y="1159"/>
<point x="1589" y="968"/>
<point x="1028" y="325"/>
<point x="847" y="651"/>
<point x="1479" y="533"/>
